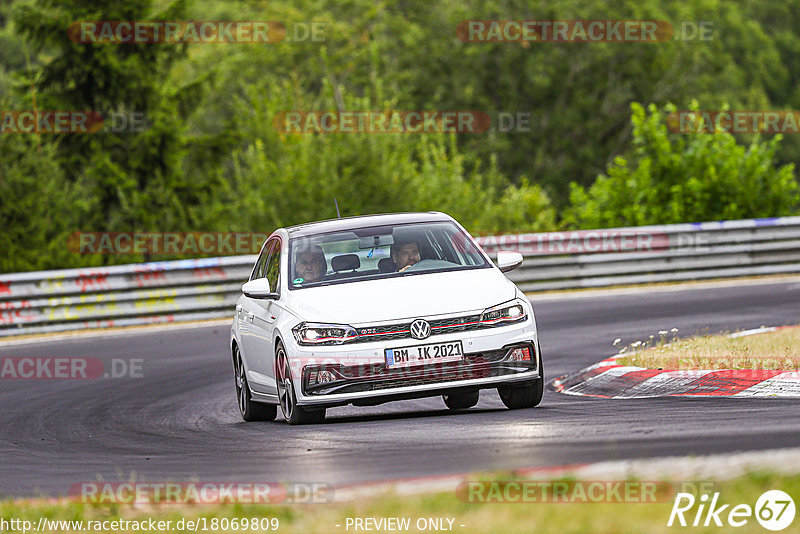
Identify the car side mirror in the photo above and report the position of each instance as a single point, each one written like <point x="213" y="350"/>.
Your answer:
<point x="508" y="261"/>
<point x="258" y="289"/>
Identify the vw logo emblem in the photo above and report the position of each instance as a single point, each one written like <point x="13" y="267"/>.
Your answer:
<point x="420" y="329"/>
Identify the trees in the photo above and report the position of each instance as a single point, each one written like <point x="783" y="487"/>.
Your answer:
<point x="672" y="178"/>
<point x="37" y="207"/>
<point x="135" y="179"/>
<point x="211" y="160"/>
<point x="280" y="179"/>
<point x="578" y="94"/>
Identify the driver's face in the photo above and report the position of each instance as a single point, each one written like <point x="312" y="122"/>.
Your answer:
<point x="308" y="267"/>
<point x="406" y="256"/>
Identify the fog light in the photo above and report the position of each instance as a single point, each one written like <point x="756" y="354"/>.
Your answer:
<point x="320" y="377"/>
<point x="325" y="376"/>
<point x="521" y="354"/>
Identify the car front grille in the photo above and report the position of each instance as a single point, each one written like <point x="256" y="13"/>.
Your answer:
<point x="403" y="330"/>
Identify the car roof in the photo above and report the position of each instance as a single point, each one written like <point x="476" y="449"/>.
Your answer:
<point x="362" y="221"/>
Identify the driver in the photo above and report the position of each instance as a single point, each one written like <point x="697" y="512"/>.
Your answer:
<point x="404" y="254"/>
<point x="310" y="264"/>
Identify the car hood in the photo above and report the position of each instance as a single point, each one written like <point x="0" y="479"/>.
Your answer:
<point x="405" y="297"/>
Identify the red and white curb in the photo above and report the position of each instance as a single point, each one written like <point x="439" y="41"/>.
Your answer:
<point x="609" y="380"/>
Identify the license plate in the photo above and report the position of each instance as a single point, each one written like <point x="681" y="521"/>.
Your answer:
<point x="450" y="351"/>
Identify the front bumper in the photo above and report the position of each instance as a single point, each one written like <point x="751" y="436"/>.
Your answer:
<point x="362" y="377"/>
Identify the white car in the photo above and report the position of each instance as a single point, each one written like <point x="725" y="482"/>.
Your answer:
<point x="365" y="310"/>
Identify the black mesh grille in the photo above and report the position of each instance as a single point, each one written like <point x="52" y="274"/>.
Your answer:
<point x="483" y="371"/>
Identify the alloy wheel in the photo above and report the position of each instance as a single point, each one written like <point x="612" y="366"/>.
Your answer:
<point x="241" y="384"/>
<point x="284" y="383"/>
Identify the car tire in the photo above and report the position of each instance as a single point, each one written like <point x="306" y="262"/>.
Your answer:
<point x="461" y="401"/>
<point x="294" y="414"/>
<point x="526" y="395"/>
<point x="249" y="409"/>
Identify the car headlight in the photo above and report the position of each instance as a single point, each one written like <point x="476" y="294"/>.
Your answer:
<point x="512" y="311"/>
<point x="323" y="334"/>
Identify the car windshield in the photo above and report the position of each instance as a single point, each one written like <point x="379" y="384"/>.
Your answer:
<point x="381" y="252"/>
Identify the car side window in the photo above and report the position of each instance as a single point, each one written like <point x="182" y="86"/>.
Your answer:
<point x="261" y="263"/>
<point x="273" y="267"/>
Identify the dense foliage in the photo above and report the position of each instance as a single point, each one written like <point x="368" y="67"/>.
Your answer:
<point x="673" y="179"/>
<point x="211" y="159"/>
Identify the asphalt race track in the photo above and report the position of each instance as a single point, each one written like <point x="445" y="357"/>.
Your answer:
<point x="180" y="421"/>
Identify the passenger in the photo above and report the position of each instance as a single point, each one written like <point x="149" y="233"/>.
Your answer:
<point x="310" y="264"/>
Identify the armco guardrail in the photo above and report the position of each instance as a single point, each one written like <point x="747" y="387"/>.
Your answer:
<point x="168" y="291"/>
<point x="644" y="254"/>
<point x="125" y="295"/>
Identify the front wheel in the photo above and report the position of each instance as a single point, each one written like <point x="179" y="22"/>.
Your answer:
<point x="249" y="409"/>
<point x="526" y="395"/>
<point x="294" y="414"/>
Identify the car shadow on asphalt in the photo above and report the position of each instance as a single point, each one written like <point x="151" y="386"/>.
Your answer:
<point x="393" y="416"/>
<point x="333" y="419"/>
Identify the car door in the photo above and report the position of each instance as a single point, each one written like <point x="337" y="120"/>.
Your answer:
<point x="265" y="314"/>
<point x="245" y="315"/>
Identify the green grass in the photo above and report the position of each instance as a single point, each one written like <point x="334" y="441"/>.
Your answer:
<point x="779" y="350"/>
<point x="488" y="518"/>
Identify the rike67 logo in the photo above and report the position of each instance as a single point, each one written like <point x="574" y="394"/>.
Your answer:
<point x="774" y="510"/>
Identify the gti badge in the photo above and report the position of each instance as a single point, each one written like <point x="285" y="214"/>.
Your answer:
<point x="420" y="329"/>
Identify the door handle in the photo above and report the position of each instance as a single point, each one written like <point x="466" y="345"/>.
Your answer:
<point x="251" y="316"/>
